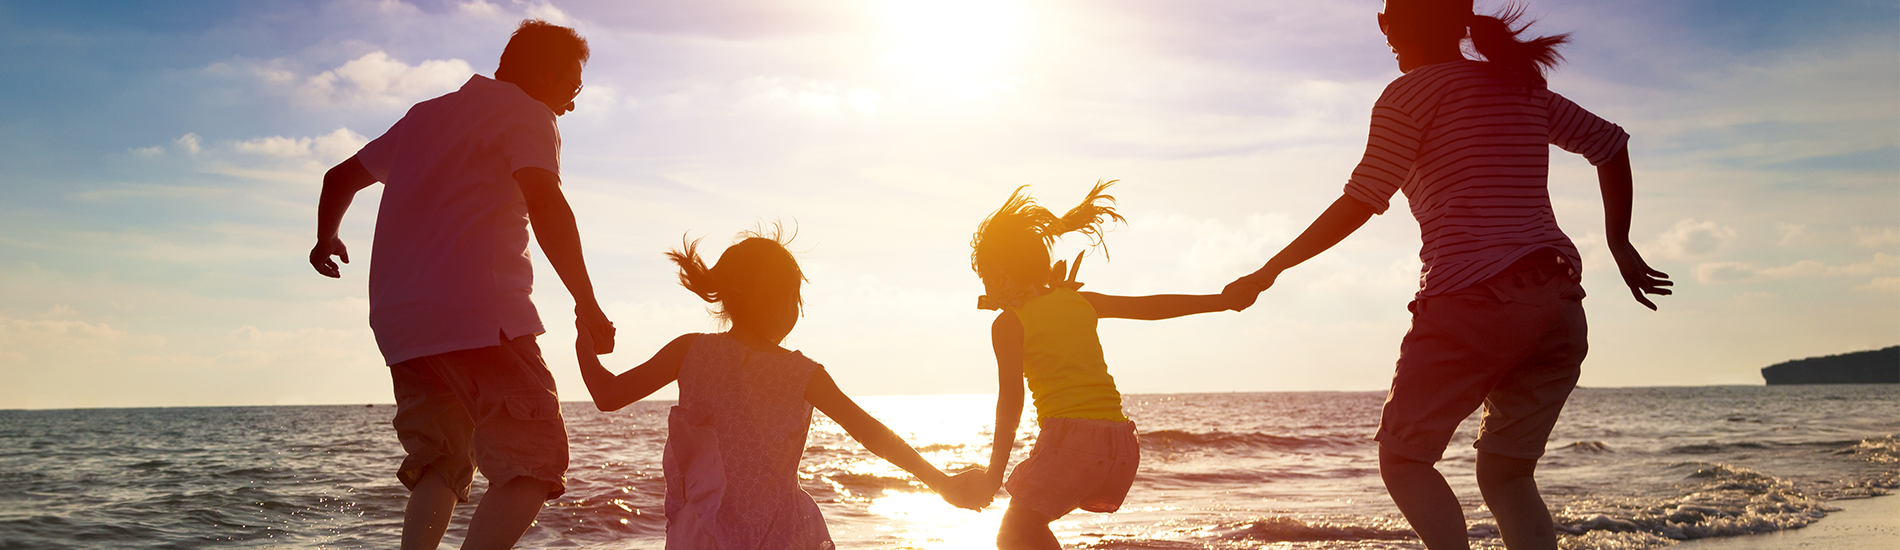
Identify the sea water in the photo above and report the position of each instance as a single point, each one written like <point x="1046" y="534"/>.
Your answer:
<point x="1626" y="469"/>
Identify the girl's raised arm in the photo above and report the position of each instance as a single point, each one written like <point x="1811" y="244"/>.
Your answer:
<point x="611" y="392"/>
<point x="822" y="392"/>
<point x="1164" y="306"/>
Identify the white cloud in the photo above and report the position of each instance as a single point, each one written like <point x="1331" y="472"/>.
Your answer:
<point x="1884" y="265"/>
<point x="189" y="142"/>
<point x="327" y="148"/>
<point x="536" y="10"/>
<point x="373" y="80"/>
<point x="1690" y="239"/>
<point x="376" y="79"/>
<point x="1791" y="232"/>
<point x="772" y="95"/>
<point x="1871" y="237"/>
<point x="1890" y="285"/>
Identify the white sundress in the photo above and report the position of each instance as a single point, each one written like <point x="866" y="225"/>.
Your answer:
<point x="733" y="446"/>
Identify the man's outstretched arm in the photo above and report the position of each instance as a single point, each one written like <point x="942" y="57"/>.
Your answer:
<point x="560" y="239"/>
<point x="340" y="185"/>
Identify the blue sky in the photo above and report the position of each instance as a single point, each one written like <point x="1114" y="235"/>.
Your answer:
<point x="161" y="163"/>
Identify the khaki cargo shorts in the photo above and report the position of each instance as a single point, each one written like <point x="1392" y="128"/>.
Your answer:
<point x="494" y="408"/>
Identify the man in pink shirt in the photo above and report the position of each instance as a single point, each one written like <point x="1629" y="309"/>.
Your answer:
<point x="465" y="177"/>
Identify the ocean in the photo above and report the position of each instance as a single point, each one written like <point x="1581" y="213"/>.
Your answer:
<point x="1628" y="468"/>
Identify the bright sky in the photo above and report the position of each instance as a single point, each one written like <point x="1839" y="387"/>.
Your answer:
<point x="161" y="163"/>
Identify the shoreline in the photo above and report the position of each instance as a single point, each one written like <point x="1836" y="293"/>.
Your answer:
<point x="1861" y="524"/>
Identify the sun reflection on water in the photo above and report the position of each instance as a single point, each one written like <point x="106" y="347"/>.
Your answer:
<point x="953" y="433"/>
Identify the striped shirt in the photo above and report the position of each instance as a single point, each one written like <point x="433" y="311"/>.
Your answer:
<point x="1469" y="146"/>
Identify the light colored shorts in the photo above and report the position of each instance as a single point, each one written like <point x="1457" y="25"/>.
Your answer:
<point x="1076" y="463"/>
<point x="1513" y="343"/>
<point x="492" y="407"/>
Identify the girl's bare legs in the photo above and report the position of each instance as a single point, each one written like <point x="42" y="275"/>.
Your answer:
<point x="1425" y="499"/>
<point x="1511" y="492"/>
<point x="1025" y="529"/>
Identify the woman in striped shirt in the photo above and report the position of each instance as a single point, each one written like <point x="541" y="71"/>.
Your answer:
<point x="1498" y="318"/>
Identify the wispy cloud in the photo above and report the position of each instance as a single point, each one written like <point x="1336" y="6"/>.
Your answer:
<point x="1882" y="266"/>
<point x="373" y="80"/>
<point x="1690" y="239"/>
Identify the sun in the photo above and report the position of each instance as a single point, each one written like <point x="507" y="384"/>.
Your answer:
<point x="955" y="41"/>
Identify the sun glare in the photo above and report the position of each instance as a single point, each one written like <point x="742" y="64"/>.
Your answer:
<point x="964" y="43"/>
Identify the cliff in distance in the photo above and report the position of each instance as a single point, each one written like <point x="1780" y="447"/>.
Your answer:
<point x="1881" y="366"/>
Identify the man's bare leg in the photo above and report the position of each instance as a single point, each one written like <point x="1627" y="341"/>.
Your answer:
<point x="505" y="513"/>
<point x="426" y="517"/>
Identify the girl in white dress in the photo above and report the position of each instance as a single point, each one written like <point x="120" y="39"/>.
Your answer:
<point x="735" y="438"/>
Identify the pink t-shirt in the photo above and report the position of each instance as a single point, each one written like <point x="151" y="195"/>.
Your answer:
<point x="1469" y="145"/>
<point x="449" y="269"/>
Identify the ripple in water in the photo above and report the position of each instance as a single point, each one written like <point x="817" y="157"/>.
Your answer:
<point x="1627" y="469"/>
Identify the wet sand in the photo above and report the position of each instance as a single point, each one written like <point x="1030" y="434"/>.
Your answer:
<point x="1864" y="524"/>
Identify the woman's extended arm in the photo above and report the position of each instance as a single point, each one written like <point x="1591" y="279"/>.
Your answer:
<point x="1615" y="180"/>
<point x="1345" y="216"/>
<point x="612" y="392"/>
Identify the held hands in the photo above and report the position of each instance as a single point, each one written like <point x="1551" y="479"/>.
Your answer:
<point x="969" y="490"/>
<point x="320" y="257"/>
<point x="594" y="327"/>
<point x="1641" y="278"/>
<point x="1243" y="291"/>
<point x="583" y="341"/>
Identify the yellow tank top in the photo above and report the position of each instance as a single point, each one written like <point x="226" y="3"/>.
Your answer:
<point x="1062" y="359"/>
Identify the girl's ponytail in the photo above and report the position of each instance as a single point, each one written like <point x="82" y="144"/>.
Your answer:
<point x="755" y="272"/>
<point x="694" y="275"/>
<point x="1087" y="218"/>
<point x="1495" y="39"/>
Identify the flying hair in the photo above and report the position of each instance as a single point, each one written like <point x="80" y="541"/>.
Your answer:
<point x="1015" y="239"/>
<point x="756" y="271"/>
<point x="1496" y="38"/>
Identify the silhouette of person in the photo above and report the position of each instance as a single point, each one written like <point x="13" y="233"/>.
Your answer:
<point x="465" y="177"/>
<point x="1498" y="319"/>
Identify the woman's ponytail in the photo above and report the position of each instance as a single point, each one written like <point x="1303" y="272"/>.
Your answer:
<point x="1495" y="38"/>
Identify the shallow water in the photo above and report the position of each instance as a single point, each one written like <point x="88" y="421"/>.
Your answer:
<point x="1627" y="468"/>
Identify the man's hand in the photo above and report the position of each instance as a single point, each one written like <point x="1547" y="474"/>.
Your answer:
<point x="1641" y="278"/>
<point x="320" y="257"/>
<point x="594" y="326"/>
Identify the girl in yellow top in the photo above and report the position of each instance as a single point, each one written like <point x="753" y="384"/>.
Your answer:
<point x="1085" y="454"/>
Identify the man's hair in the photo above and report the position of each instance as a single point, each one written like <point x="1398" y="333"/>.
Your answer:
<point x="537" y="44"/>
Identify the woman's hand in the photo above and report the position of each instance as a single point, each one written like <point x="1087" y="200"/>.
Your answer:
<point x="1641" y="278"/>
<point x="969" y="490"/>
<point x="1255" y="283"/>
